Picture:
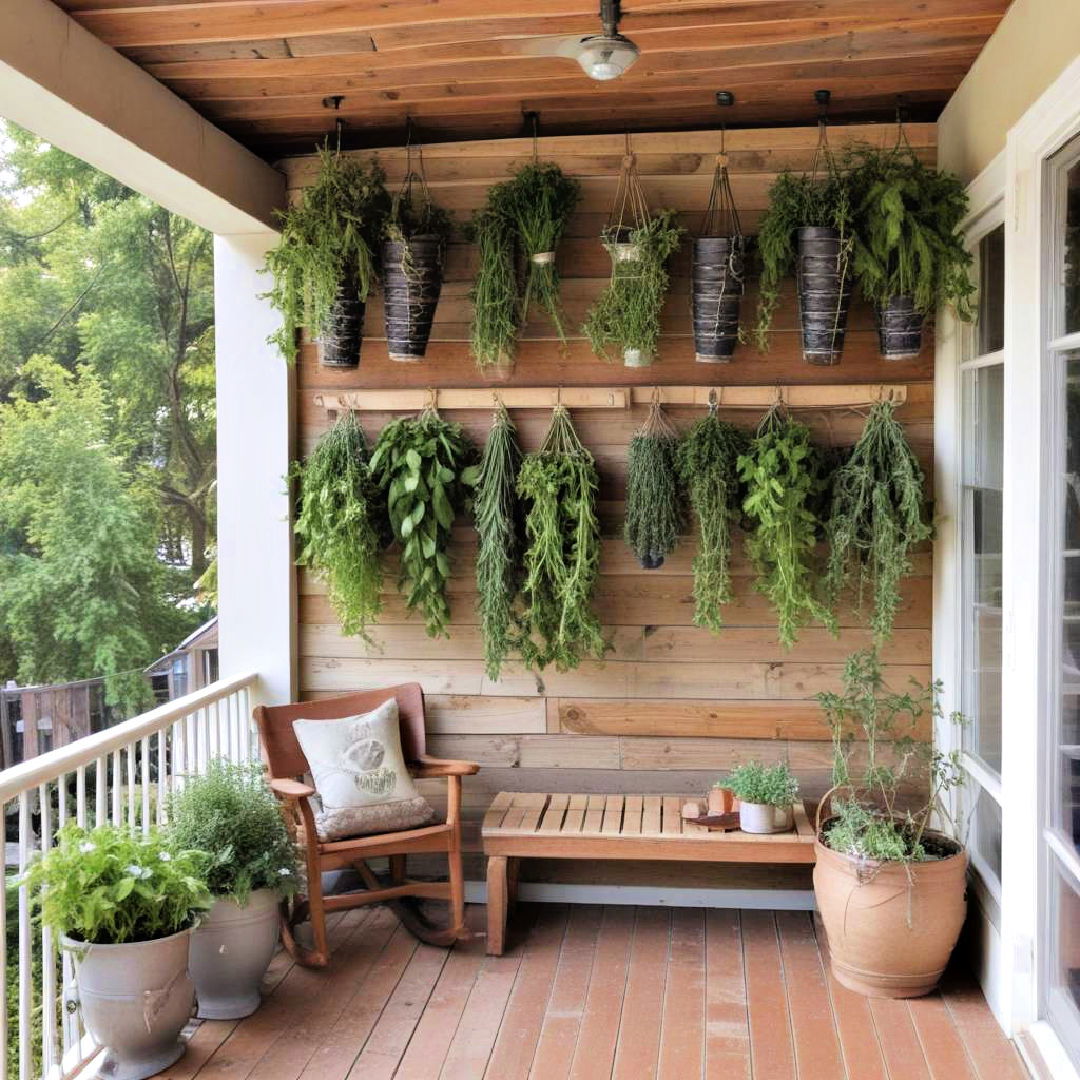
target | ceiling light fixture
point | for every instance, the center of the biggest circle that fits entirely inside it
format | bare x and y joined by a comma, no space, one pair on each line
606,56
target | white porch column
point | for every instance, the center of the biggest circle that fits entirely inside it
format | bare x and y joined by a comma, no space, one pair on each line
256,582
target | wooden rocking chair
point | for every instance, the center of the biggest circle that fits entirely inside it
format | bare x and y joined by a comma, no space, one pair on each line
289,769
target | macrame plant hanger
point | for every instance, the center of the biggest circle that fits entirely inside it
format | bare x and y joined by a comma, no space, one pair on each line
629,211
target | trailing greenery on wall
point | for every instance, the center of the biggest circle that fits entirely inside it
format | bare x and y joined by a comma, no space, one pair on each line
494,296
654,502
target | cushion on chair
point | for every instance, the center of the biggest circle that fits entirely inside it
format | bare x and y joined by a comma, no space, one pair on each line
359,775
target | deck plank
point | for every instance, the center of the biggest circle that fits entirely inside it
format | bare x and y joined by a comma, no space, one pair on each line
727,1023
638,1048
899,1043
682,1046
941,1043
993,1055
771,1051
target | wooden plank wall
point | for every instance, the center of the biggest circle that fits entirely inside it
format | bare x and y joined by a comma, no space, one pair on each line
674,706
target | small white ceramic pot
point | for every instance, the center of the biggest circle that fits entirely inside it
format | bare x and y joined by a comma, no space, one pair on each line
762,818
637,357
626,252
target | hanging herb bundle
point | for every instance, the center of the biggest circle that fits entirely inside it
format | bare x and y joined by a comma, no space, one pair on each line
497,527
782,475
876,517
338,521
654,505
708,464
424,465
562,557
496,310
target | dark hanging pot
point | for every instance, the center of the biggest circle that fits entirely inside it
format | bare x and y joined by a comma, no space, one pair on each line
823,280
412,281
342,331
717,288
900,328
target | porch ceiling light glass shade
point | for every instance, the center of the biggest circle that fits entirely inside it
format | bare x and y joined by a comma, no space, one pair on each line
606,56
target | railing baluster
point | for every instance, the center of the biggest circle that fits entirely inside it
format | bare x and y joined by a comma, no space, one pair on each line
131,782
144,753
26,966
49,1055
117,816
101,787
162,773
80,796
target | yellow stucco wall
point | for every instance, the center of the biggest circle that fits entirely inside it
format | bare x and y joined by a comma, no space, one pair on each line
1030,48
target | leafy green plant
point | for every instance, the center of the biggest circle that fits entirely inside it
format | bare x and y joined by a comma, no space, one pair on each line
412,215
340,524
231,814
494,295
626,315
708,464
562,557
876,517
425,467
496,510
654,503
114,885
328,240
782,475
763,785
907,242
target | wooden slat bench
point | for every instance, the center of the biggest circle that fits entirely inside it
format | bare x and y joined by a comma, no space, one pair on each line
521,824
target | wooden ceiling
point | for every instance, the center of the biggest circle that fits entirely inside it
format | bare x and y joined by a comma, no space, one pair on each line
460,69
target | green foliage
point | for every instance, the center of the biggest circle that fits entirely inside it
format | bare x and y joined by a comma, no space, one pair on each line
764,785
876,517
498,574
782,475
339,523
496,308
328,240
865,834
562,558
907,231
798,202
230,814
410,216
655,512
626,315
115,885
424,465
708,464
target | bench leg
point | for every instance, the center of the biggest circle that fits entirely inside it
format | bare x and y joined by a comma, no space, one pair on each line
512,865
496,904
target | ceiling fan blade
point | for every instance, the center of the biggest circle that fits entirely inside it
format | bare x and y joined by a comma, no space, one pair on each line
552,46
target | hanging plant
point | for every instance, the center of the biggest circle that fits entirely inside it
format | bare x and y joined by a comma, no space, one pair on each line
496,511
339,524
496,310
654,505
562,558
424,466
782,475
876,517
324,265
708,464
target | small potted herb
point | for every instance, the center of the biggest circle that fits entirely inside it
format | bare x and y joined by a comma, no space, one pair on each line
124,904
230,814
766,794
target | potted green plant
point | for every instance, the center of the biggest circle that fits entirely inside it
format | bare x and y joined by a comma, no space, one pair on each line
889,887
909,255
324,266
230,814
766,795
124,904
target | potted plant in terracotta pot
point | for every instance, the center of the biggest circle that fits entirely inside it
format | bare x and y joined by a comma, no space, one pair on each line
124,904
766,794
232,816
889,887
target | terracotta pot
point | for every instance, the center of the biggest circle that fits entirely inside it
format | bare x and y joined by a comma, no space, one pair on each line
891,926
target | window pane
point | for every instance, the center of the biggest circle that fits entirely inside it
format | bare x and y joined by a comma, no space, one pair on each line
985,831
992,291
1065,742
1071,269
1065,959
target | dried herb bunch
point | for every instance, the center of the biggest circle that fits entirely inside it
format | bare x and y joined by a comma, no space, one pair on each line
328,240
494,296
782,475
424,465
562,558
340,524
708,464
877,516
655,513
497,514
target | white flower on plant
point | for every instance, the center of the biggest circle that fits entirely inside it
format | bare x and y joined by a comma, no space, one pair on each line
165,856
139,872
284,871
87,847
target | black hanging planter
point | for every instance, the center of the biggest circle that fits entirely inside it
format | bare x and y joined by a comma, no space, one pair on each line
717,288
412,281
342,331
823,279
900,329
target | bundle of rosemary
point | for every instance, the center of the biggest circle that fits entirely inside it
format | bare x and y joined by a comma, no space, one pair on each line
497,525
496,310
876,517
562,557
338,523
654,504
782,473
708,464
424,465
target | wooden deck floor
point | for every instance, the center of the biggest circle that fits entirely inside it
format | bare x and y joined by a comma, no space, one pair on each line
589,992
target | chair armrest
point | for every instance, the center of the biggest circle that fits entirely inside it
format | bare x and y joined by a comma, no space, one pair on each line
426,766
291,789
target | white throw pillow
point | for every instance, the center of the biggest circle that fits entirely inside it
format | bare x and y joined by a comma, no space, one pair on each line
359,773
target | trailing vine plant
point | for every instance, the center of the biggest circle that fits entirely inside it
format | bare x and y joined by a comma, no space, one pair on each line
339,524
562,557
654,503
424,466
494,296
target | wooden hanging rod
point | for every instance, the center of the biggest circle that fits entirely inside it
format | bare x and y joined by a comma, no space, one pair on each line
596,397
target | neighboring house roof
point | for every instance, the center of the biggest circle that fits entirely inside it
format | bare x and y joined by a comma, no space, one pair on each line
204,637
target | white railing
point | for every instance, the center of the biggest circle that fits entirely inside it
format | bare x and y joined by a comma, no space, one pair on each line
122,775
